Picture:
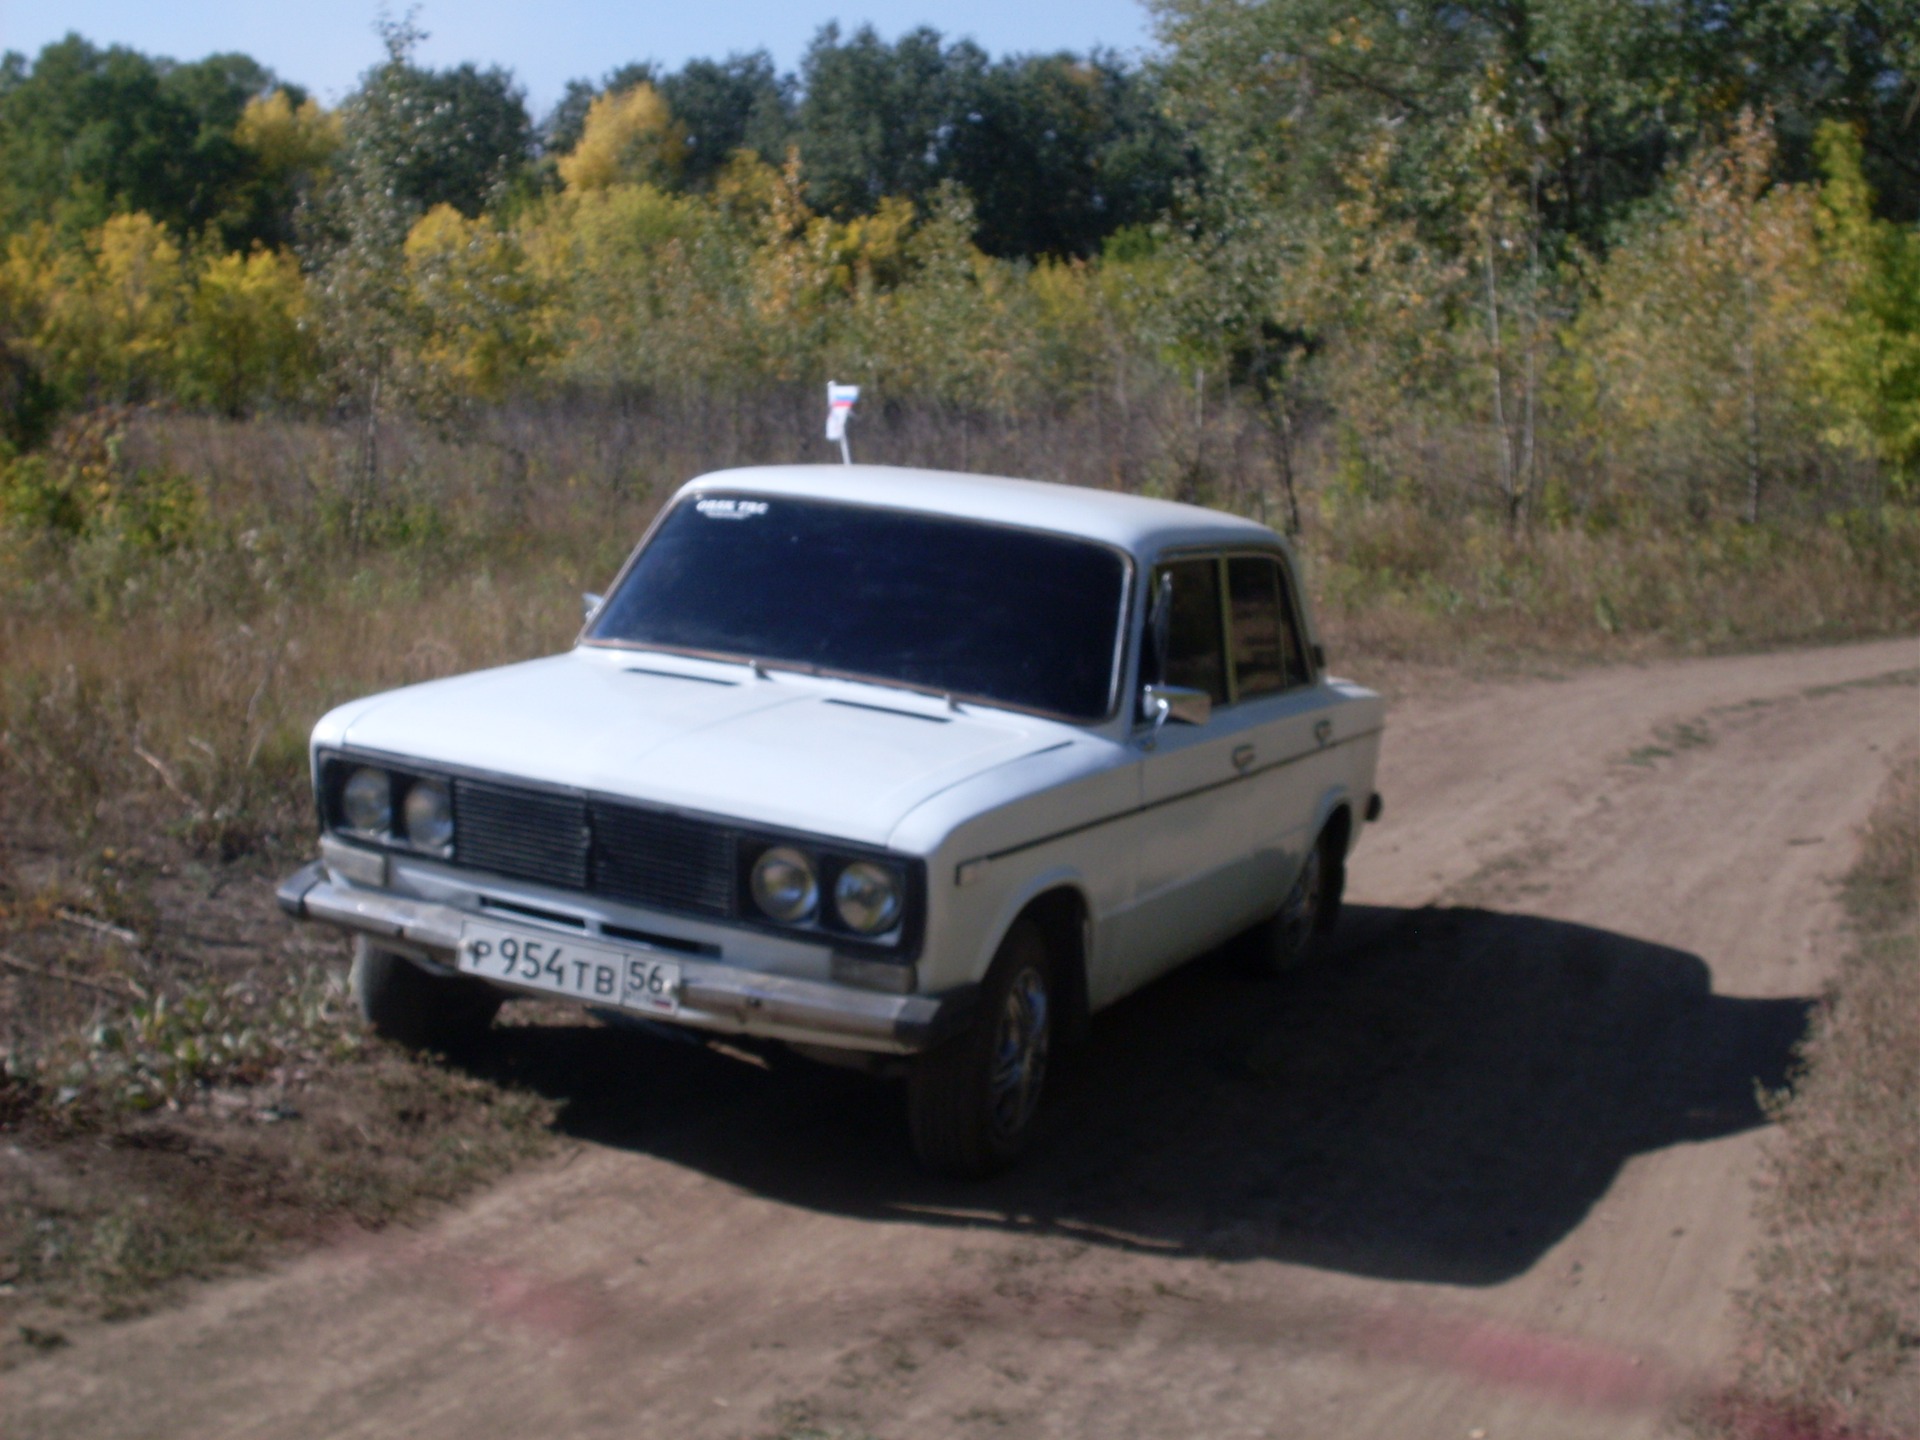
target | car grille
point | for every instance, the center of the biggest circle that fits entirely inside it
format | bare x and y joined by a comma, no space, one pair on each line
622,851
664,860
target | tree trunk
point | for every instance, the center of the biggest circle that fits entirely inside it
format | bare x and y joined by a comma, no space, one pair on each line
367,477
1503,442
1750,385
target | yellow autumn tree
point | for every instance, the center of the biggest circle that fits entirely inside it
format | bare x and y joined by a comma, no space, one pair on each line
1691,359
1867,353
478,303
244,341
100,320
619,302
288,139
630,138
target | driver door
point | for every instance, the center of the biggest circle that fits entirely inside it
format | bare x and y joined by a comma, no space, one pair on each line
1198,879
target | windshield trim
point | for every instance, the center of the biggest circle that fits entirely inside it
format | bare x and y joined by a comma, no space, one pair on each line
1122,622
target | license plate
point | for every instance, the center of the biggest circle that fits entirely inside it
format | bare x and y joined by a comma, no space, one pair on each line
561,965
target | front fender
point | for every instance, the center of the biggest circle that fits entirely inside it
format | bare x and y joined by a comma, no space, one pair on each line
1013,904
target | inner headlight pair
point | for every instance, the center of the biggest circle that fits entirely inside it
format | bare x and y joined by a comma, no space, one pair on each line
867,898
425,808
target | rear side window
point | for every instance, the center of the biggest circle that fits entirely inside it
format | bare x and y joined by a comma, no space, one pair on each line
1267,652
1196,650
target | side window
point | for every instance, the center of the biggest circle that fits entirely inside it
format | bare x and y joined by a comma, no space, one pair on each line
1267,651
1196,650
1293,646
1253,595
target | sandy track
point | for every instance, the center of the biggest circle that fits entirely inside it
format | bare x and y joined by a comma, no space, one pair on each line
1487,1170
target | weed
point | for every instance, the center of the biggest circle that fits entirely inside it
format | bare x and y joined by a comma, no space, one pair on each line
1834,1315
167,1046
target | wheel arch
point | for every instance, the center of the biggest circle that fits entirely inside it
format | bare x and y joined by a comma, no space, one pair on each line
1336,828
1056,901
1062,914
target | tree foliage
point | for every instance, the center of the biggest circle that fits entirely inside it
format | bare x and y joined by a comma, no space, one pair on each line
629,136
86,133
1564,261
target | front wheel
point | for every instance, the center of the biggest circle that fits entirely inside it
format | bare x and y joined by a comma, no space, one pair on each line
421,1011
971,1102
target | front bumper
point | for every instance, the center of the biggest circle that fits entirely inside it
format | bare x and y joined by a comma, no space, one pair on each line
712,996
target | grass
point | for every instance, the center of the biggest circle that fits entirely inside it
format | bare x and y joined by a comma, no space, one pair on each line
1833,1319
181,597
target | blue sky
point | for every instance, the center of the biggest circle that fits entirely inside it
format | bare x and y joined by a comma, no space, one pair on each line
325,45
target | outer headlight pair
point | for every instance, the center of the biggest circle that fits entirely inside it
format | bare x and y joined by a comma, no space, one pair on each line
425,808
868,898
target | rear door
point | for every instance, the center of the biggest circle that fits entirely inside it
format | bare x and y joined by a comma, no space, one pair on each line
1286,720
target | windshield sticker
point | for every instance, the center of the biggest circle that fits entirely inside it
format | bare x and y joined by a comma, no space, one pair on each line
716,508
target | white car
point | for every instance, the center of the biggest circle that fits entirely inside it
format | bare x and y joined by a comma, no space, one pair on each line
906,769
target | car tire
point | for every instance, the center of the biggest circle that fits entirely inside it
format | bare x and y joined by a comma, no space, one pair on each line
421,1011
1290,938
971,1101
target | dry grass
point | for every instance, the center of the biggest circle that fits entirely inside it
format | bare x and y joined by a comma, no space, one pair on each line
1833,1321
162,658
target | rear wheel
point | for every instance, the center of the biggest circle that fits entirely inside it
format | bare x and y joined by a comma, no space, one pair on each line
422,1011
971,1102
1290,938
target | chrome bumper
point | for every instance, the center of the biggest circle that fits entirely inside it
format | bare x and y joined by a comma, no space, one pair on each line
712,997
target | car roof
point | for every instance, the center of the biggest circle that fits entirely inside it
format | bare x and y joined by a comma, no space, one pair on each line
1132,522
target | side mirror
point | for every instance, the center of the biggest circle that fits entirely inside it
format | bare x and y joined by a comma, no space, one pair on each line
1176,702
1319,656
589,604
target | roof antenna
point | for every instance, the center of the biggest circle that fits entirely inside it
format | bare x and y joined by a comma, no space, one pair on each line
840,400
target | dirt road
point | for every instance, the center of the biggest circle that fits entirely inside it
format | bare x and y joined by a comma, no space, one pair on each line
1486,1171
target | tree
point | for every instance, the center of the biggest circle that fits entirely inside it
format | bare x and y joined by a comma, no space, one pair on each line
1868,355
292,142
881,120
1059,152
86,133
1691,357
740,103
629,138
243,342
396,148
456,137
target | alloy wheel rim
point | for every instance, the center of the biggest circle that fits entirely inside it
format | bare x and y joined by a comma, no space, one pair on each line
1020,1043
1302,906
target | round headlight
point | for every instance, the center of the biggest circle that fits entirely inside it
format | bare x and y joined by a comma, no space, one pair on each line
784,885
429,812
366,801
867,897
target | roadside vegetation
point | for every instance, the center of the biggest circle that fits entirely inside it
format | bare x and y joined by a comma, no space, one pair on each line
298,403
1833,1319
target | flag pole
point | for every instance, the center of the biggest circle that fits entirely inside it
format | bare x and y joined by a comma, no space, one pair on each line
840,402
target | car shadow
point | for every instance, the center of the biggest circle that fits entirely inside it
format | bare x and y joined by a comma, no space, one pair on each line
1442,1098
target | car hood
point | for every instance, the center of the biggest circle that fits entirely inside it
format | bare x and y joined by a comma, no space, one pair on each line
787,751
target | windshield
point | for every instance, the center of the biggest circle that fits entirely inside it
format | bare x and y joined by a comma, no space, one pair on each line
1011,616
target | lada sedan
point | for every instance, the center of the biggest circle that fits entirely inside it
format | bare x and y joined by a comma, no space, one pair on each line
902,768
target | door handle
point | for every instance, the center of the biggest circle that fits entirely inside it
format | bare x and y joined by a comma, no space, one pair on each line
1242,756
1323,731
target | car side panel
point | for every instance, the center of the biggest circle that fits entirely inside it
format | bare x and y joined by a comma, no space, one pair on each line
1203,840
998,839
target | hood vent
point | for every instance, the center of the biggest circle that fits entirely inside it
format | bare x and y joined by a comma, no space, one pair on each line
677,675
889,710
